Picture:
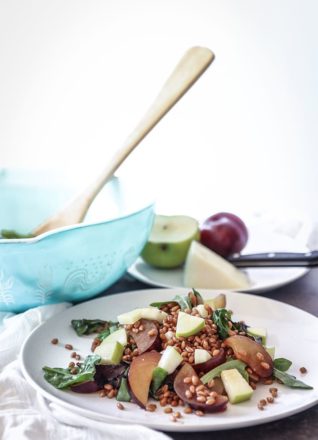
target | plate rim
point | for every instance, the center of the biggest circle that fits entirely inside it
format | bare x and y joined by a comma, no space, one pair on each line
153,425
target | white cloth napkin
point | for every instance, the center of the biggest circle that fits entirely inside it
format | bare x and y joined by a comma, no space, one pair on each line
25,414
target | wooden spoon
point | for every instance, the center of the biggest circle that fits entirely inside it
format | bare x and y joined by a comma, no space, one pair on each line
190,67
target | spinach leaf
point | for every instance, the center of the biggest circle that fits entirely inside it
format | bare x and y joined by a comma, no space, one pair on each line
221,318
234,363
62,377
111,329
9,233
282,364
290,381
89,326
182,301
123,394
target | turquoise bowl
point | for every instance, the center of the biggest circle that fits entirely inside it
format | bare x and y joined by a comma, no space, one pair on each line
74,263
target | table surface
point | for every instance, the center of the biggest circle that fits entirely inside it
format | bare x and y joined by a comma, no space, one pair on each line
302,293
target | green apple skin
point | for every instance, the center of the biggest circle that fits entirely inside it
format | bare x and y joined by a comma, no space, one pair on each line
167,255
188,325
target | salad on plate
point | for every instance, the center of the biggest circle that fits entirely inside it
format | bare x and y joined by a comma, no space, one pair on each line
186,355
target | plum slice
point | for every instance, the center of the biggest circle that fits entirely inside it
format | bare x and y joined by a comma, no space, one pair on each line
181,389
140,376
144,340
252,353
86,387
211,363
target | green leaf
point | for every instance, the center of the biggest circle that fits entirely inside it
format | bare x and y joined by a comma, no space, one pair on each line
8,233
182,301
89,326
111,329
221,318
229,365
62,378
282,364
123,394
290,381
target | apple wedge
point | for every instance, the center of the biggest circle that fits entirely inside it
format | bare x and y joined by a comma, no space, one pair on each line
140,376
206,269
170,240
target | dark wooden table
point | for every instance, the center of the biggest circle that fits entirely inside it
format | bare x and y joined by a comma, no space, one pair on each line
302,293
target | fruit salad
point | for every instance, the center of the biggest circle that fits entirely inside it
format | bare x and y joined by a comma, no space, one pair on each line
187,352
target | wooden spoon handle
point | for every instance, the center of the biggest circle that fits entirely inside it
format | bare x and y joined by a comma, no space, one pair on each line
189,69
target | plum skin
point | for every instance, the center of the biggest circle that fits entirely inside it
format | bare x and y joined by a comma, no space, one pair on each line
224,233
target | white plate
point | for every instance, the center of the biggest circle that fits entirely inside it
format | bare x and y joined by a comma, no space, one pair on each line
293,332
262,279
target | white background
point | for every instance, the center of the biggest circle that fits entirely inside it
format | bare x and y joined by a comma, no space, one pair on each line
77,75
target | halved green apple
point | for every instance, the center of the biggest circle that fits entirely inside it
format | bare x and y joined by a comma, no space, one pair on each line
170,240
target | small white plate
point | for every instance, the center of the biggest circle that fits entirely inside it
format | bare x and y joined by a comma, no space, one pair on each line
293,332
261,279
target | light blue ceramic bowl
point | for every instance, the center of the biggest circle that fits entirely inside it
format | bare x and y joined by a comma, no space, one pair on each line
72,263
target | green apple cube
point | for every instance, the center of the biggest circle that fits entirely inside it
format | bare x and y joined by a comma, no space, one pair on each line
153,314
206,269
119,335
258,333
202,311
170,359
169,240
236,387
129,317
201,355
188,325
111,352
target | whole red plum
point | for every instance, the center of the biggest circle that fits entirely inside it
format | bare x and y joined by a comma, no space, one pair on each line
224,233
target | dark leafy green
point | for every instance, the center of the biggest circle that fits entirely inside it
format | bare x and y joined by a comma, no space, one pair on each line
123,394
89,326
113,326
290,381
9,233
183,302
222,319
282,364
229,365
62,378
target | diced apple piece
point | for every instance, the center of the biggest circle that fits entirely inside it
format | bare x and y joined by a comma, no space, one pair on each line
252,353
236,387
211,363
111,352
201,355
188,325
140,376
257,332
129,317
206,269
202,311
181,387
148,339
153,313
170,359
119,335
